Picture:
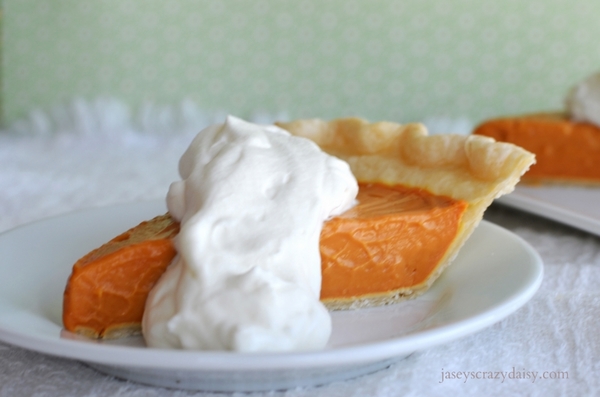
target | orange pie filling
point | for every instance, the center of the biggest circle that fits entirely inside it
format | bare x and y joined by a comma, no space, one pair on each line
394,238
108,287
565,150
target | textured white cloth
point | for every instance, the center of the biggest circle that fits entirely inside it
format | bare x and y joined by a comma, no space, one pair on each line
558,330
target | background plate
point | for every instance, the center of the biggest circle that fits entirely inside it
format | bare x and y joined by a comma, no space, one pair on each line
495,273
575,206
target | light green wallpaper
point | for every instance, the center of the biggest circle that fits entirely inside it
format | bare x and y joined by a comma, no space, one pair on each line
380,59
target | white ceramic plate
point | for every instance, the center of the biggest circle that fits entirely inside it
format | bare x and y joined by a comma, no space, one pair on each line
575,206
495,274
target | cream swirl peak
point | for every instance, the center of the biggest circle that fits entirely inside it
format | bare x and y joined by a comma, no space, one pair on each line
583,100
247,277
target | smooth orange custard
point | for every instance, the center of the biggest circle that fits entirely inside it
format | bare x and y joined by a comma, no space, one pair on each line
394,238
108,287
565,150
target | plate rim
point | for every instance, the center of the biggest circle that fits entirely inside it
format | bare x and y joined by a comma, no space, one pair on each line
164,359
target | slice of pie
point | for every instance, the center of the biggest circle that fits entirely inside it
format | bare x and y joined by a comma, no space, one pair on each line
566,151
420,197
470,169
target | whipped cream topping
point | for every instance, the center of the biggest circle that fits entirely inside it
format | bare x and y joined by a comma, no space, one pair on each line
583,100
247,277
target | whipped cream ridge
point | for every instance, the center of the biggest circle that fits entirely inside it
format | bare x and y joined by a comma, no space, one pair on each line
583,100
247,276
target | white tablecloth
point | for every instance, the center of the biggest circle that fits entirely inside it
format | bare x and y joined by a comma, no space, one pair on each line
557,331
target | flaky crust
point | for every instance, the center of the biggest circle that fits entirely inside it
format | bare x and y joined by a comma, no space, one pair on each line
472,168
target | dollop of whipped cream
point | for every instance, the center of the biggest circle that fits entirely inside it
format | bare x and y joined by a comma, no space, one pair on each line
583,100
247,276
